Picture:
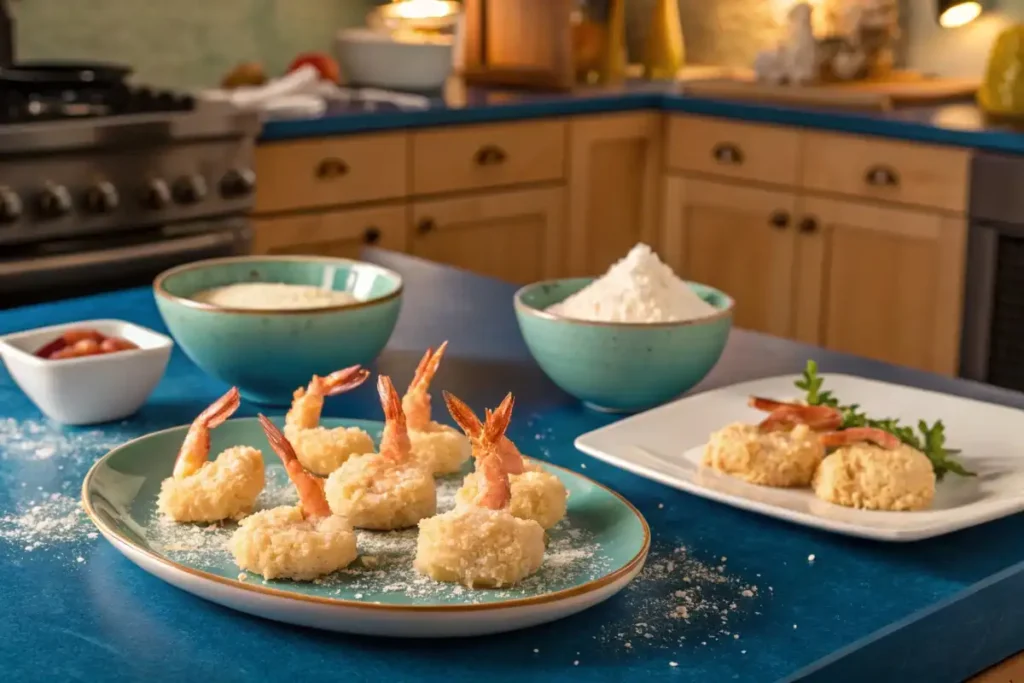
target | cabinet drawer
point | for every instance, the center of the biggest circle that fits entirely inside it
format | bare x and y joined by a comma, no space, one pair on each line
472,157
333,233
330,172
888,170
734,150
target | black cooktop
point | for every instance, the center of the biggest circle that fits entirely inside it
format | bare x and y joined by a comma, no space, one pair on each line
54,91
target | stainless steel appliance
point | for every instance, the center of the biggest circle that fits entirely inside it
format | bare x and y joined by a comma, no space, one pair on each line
103,184
993,331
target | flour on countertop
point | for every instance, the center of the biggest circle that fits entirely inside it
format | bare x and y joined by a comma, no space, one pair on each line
677,596
49,520
637,289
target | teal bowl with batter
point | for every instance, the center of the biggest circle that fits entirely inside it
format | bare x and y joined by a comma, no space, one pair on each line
268,353
621,367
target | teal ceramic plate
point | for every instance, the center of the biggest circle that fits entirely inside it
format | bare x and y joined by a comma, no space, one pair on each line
592,554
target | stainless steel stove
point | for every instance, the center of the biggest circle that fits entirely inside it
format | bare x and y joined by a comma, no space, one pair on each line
105,184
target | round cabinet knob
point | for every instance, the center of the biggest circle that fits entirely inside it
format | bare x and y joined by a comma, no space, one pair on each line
779,219
371,235
54,201
809,225
426,225
237,183
190,189
100,198
157,194
10,205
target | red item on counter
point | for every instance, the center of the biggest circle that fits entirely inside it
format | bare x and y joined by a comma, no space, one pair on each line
323,63
77,343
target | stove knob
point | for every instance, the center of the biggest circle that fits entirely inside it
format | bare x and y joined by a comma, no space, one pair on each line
237,183
189,189
100,198
54,201
10,205
157,194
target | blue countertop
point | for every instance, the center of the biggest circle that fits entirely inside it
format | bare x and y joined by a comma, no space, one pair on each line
959,123
75,609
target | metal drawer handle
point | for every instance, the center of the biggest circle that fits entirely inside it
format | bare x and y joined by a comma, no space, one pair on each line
331,167
882,176
426,225
490,155
780,220
371,235
809,225
727,153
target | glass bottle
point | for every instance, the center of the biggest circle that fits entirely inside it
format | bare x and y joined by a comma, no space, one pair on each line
598,40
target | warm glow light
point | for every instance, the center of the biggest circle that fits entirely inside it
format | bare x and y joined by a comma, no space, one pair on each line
420,9
961,14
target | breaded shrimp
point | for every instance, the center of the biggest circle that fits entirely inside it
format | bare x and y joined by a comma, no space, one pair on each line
323,450
299,542
200,490
440,448
389,489
535,494
481,543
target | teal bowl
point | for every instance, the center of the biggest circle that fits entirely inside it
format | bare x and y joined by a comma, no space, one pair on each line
267,354
621,367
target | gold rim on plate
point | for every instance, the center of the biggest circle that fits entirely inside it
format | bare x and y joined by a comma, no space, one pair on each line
115,537
158,285
517,300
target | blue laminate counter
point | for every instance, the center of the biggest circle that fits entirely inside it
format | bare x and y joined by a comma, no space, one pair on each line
936,611
960,123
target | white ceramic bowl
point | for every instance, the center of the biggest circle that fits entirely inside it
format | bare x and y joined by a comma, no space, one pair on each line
372,59
91,389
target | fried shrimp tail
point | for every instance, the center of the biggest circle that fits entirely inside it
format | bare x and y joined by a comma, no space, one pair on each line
848,437
310,488
195,449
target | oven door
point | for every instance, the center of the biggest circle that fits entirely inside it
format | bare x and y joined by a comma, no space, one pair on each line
100,267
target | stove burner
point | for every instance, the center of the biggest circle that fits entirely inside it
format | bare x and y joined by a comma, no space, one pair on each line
42,104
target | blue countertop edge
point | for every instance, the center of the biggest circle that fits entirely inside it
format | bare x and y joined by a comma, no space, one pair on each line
958,124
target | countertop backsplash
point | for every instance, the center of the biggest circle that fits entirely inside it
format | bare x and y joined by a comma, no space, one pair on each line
181,43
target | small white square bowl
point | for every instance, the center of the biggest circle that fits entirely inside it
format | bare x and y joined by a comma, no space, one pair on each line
91,389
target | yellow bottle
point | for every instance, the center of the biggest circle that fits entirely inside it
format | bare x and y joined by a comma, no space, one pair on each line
615,45
1002,92
665,52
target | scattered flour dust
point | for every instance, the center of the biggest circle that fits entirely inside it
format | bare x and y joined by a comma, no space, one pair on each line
676,597
52,519
637,289
385,558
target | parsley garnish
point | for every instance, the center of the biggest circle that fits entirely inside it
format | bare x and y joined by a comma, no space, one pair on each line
929,439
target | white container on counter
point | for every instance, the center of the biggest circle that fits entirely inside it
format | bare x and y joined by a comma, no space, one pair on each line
90,389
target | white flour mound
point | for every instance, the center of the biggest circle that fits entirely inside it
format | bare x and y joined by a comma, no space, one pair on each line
637,289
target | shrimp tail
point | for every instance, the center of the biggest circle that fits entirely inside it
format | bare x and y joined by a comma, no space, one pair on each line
345,380
463,416
220,410
195,449
427,368
389,400
787,416
848,437
498,421
310,488
767,405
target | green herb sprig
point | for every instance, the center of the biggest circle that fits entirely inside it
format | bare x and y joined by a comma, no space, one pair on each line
929,439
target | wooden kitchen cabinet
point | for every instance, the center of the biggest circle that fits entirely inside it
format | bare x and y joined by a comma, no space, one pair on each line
515,235
738,239
614,179
881,282
333,233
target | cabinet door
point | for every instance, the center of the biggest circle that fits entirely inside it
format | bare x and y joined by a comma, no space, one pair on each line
738,239
333,233
614,170
883,283
515,236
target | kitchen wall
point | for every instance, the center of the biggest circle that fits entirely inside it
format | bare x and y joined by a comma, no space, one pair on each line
180,42
731,32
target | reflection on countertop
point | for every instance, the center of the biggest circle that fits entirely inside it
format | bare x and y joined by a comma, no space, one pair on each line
957,123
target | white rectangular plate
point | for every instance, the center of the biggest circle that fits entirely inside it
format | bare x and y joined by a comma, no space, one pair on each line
666,444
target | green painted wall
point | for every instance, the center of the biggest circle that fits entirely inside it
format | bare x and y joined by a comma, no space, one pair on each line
181,42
